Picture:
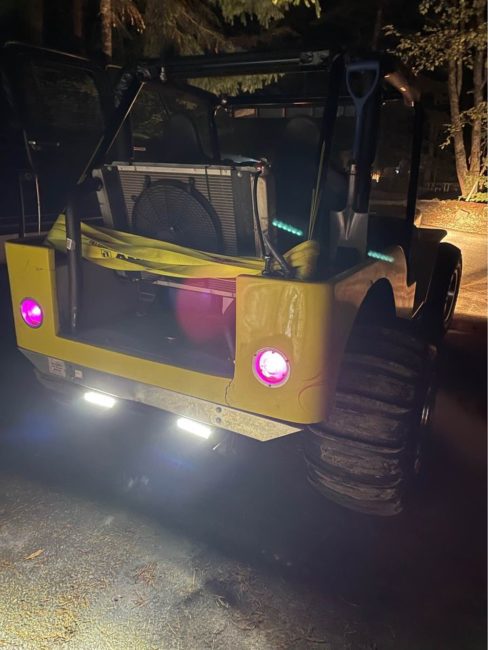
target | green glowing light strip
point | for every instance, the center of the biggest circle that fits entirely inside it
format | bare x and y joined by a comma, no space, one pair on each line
287,228
381,256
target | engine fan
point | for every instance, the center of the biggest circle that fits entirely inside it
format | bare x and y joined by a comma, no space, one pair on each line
171,211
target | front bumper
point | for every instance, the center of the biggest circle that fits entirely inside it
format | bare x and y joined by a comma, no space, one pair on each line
55,371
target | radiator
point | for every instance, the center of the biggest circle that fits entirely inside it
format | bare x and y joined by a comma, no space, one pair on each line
228,188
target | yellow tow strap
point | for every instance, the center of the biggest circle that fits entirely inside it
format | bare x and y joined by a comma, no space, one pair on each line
123,251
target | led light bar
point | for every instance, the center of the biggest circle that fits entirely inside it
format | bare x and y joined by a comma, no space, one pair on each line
99,399
381,256
281,225
192,426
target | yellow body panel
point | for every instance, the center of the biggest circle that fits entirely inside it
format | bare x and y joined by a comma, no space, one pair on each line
293,317
32,274
309,322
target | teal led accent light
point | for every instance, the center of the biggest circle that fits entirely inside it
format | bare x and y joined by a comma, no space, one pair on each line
381,256
287,228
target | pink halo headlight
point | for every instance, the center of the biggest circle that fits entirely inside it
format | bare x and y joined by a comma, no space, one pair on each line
31,312
271,367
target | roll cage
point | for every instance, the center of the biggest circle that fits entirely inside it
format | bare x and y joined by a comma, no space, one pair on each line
365,81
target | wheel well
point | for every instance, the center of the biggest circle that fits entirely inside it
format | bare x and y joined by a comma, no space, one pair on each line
378,306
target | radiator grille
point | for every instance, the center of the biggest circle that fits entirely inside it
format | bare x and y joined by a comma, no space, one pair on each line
216,187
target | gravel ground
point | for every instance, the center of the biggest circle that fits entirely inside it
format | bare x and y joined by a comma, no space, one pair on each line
463,216
117,533
472,302
110,579
96,554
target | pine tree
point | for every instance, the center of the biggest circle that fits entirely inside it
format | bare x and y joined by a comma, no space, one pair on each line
453,39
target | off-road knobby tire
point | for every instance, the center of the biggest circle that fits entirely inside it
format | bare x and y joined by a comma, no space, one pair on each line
367,453
444,289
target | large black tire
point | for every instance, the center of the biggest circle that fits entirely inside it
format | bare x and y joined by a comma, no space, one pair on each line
367,453
438,312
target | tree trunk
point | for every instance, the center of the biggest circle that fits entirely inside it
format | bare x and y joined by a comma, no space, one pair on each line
154,17
78,32
106,20
34,13
459,148
475,158
378,24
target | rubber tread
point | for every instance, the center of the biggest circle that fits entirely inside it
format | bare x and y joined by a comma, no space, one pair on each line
368,420
361,498
373,382
358,460
361,457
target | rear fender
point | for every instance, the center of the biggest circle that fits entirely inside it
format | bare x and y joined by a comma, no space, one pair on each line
373,292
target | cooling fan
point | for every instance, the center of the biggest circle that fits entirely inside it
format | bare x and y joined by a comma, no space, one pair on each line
172,211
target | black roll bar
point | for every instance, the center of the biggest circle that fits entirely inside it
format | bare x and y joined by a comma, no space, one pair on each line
241,63
126,92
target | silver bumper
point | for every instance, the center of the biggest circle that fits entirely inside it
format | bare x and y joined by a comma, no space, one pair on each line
215,415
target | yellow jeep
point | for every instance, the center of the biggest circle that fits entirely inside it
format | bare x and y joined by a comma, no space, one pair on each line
257,267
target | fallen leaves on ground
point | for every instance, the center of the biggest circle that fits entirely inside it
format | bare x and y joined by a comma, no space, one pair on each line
33,556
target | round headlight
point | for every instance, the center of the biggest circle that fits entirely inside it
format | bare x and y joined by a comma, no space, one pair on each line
271,367
31,312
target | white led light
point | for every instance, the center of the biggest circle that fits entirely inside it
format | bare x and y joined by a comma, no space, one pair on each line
100,399
192,426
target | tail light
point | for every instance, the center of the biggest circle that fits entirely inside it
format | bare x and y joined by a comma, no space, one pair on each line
31,312
271,367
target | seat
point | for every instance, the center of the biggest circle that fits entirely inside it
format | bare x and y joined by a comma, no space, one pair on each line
181,143
295,168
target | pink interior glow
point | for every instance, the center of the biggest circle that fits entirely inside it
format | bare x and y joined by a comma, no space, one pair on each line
31,312
271,367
